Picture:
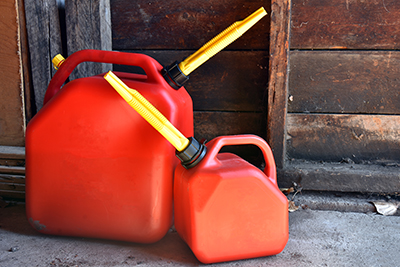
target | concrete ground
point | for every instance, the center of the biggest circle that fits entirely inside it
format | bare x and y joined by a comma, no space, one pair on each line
317,238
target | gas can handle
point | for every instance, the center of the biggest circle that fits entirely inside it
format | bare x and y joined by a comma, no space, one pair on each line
215,145
150,66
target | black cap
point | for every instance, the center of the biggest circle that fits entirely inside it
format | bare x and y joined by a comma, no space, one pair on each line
174,76
192,154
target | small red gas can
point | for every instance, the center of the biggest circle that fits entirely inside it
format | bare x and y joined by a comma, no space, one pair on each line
227,209
90,173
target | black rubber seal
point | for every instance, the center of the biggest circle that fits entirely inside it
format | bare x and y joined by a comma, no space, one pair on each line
192,154
174,76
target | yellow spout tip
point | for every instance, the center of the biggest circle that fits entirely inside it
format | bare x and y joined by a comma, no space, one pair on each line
221,41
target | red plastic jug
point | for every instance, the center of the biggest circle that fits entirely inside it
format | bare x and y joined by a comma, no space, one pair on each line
227,209
90,173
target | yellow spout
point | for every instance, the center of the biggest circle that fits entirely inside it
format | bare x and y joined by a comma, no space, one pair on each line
148,112
221,41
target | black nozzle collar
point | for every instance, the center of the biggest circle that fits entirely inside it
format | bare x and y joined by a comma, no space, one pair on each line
174,76
192,154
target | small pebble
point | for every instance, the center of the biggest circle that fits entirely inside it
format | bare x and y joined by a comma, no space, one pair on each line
13,249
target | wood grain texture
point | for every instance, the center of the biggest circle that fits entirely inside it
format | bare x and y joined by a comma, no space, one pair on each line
278,78
330,24
12,113
29,99
209,125
88,27
12,172
184,24
12,186
358,138
230,81
345,82
44,35
341,177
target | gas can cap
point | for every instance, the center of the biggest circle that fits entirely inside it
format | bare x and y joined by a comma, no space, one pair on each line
192,154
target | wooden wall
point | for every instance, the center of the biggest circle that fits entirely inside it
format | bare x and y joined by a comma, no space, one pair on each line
15,96
342,96
329,107
229,90
12,111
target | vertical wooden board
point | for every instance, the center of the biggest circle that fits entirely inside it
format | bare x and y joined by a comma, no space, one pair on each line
88,27
348,24
30,106
278,78
344,82
358,138
44,43
184,24
12,118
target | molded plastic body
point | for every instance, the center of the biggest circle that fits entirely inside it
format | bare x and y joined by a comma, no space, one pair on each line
227,209
94,166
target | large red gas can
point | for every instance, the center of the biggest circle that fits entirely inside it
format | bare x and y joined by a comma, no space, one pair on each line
227,209
89,172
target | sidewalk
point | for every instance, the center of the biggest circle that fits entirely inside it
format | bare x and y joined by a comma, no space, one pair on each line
317,238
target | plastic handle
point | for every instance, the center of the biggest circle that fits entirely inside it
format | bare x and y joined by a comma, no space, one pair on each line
151,67
215,145
148,112
220,41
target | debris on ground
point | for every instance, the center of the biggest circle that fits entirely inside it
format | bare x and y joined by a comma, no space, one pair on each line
386,208
295,189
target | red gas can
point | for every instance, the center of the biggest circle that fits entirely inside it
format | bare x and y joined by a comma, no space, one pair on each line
227,209
90,173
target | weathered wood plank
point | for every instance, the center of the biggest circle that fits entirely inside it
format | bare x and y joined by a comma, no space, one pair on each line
88,27
341,177
278,78
11,156
12,170
44,43
12,114
231,81
12,195
209,125
12,186
344,82
358,138
324,24
212,124
183,24
12,152
29,100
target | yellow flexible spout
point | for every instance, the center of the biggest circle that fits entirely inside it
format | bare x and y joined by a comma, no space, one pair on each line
148,112
221,41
